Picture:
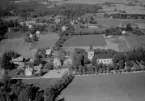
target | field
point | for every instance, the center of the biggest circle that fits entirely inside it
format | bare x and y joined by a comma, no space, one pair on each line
127,87
42,83
116,22
19,45
92,1
135,40
85,41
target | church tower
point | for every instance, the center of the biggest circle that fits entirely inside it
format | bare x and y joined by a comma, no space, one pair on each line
91,52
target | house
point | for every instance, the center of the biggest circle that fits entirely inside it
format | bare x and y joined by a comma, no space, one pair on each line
48,51
56,62
68,61
28,71
104,59
28,23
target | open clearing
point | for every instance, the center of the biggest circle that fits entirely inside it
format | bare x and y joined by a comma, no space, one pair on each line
127,87
85,41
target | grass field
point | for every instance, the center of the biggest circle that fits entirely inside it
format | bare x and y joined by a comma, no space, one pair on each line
135,40
42,83
85,40
127,87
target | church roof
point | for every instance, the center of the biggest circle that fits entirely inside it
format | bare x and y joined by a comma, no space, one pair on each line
103,56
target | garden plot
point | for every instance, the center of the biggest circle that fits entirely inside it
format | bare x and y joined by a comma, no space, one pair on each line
84,41
13,35
126,87
135,40
117,43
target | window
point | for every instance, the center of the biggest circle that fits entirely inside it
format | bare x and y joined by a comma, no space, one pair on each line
104,60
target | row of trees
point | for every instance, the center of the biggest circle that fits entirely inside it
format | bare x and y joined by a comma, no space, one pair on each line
16,90
125,16
3,29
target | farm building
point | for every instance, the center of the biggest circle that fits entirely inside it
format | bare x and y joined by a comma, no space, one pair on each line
104,59
84,42
28,23
124,24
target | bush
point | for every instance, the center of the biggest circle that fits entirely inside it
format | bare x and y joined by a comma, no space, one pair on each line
48,66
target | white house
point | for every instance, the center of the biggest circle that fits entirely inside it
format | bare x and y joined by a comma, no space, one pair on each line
48,51
56,62
28,71
104,59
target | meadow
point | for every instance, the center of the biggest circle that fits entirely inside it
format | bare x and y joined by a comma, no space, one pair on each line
17,43
85,41
126,87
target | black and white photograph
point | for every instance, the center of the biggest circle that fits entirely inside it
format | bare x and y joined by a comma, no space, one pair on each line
72,50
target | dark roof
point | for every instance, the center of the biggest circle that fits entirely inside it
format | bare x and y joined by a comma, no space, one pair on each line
103,56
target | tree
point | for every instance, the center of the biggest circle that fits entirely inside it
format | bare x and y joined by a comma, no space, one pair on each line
6,58
3,29
26,94
39,96
118,56
48,66
115,66
128,27
121,64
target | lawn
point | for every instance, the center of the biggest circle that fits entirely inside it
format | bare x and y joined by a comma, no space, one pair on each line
85,40
12,35
127,87
46,40
135,40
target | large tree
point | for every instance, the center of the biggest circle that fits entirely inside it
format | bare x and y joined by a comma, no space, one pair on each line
3,29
